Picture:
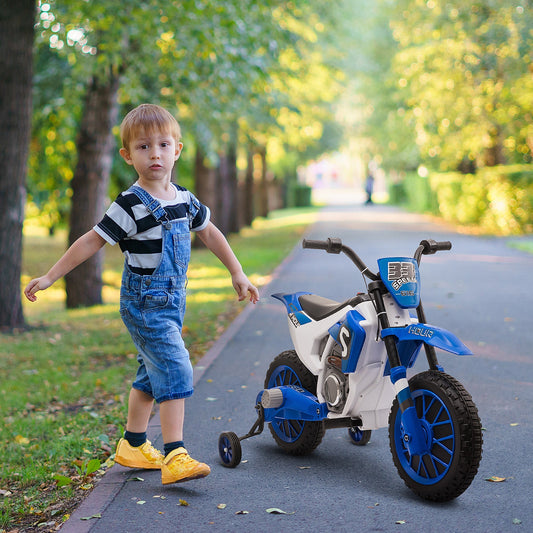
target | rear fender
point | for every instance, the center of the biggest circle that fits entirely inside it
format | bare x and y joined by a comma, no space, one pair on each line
294,309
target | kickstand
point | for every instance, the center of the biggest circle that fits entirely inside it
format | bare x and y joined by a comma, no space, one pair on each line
259,424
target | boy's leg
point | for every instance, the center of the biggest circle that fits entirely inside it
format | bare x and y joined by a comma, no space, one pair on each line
139,411
178,465
135,451
172,414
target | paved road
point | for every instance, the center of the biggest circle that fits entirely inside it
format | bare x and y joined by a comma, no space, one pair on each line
480,291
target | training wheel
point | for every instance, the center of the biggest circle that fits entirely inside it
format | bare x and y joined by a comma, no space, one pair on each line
358,436
229,449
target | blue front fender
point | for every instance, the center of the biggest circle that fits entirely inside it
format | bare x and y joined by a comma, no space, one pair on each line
432,335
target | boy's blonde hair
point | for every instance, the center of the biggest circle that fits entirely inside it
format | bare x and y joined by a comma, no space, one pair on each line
148,118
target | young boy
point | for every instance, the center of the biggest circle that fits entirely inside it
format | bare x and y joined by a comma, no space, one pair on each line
152,221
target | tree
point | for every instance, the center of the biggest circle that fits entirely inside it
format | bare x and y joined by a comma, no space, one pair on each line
16,67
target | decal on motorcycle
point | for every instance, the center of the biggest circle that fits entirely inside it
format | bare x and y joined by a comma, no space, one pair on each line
400,273
420,331
298,319
344,340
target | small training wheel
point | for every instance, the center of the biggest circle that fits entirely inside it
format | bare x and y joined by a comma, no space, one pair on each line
229,449
358,436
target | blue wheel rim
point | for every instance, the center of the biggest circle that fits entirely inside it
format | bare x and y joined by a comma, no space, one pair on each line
437,424
356,434
286,430
225,450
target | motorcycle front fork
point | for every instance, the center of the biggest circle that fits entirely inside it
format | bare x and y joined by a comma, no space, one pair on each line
414,435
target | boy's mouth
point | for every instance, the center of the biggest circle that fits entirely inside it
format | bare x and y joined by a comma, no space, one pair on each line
155,166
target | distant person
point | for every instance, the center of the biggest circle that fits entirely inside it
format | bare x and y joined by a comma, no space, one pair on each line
152,221
369,188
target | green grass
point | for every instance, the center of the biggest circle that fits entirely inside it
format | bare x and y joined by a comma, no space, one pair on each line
526,245
65,379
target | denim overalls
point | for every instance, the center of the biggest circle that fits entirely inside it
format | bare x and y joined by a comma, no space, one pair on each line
152,308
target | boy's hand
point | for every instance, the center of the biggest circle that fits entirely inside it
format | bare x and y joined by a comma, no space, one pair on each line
37,284
242,287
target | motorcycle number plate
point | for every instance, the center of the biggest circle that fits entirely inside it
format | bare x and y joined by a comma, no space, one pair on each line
402,279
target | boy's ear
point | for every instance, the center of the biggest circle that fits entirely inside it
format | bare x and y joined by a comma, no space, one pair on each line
126,156
179,147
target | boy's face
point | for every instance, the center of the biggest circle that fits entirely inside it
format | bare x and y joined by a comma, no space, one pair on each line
153,155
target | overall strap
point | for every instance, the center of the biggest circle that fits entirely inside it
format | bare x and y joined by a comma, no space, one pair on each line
152,205
194,207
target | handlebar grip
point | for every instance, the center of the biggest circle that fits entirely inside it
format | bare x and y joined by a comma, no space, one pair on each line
332,245
432,247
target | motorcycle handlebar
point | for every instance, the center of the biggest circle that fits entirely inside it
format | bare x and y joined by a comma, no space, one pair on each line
332,245
431,246
335,246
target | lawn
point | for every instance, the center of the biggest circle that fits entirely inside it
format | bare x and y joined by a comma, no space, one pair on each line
65,379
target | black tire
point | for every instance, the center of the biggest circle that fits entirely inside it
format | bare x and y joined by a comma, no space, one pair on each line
296,437
229,449
453,431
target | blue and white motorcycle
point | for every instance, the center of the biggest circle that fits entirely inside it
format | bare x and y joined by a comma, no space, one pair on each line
348,368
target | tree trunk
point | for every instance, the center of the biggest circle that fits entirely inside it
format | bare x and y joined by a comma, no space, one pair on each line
263,187
494,154
205,187
248,206
90,183
16,67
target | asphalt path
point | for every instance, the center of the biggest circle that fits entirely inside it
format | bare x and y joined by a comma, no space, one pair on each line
480,291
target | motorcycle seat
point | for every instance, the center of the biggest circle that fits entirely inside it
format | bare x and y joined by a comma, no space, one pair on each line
318,307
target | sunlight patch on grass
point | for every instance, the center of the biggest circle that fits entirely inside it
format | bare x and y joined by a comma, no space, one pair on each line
207,297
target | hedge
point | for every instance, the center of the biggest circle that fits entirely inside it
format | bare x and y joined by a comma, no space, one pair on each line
495,200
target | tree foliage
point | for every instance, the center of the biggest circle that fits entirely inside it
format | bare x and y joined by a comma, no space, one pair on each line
456,76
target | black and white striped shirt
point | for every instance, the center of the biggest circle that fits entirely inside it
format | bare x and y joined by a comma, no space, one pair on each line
128,222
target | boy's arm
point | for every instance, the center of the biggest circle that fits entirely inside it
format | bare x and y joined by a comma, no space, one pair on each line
213,238
86,246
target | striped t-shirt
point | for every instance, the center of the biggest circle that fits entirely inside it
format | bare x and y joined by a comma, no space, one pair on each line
128,222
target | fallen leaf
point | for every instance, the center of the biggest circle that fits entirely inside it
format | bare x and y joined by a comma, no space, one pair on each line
19,439
141,502
495,479
514,424
184,503
209,381
275,510
304,467
135,479
517,521
221,506
242,512
209,399
90,517
400,522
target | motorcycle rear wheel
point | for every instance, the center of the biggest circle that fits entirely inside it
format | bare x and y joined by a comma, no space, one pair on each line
452,428
296,437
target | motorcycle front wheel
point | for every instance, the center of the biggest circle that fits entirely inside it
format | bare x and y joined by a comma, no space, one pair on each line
452,429
296,437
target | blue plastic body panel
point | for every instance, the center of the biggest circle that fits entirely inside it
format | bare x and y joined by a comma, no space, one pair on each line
294,309
428,334
298,404
402,279
351,336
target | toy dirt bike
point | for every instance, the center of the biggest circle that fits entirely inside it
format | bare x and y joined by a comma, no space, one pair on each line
350,365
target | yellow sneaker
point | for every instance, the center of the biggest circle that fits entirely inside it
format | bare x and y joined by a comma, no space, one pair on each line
179,466
145,456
